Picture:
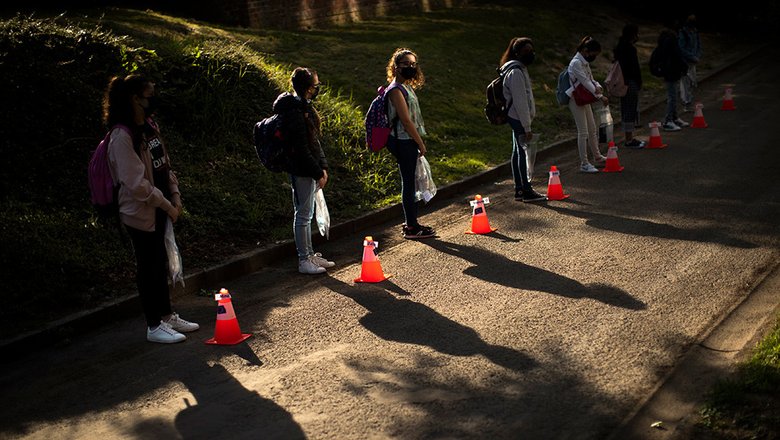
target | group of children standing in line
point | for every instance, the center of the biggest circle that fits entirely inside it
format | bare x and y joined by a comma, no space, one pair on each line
148,189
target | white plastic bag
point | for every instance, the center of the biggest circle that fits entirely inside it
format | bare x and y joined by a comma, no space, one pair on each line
530,155
606,124
424,188
322,214
174,257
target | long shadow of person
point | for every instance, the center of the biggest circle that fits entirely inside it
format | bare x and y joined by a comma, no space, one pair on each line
495,268
644,228
407,321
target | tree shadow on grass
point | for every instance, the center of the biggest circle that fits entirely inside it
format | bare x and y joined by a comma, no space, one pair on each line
498,269
410,322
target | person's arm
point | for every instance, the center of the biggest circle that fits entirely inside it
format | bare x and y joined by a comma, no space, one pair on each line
517,87
579,75
399,104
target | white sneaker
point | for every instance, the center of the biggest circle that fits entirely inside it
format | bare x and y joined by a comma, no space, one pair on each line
681,123
588,168
671,126
308,266
164,334
181,325
320,261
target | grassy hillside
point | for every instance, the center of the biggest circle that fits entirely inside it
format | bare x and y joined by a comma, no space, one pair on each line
215,82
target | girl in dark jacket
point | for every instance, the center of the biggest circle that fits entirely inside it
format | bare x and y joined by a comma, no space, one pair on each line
300,126
668,56
625,54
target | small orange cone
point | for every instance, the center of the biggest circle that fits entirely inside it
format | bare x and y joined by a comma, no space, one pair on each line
655,136
728,101
698,117
479,220
226,332
613,163
554,187
371,270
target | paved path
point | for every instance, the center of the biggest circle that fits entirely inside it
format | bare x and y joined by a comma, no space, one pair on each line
556,326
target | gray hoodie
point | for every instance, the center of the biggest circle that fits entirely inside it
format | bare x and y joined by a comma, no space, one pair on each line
517,90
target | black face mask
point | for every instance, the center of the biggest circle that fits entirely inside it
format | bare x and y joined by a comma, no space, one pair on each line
527,59
153,104
590,58
409,72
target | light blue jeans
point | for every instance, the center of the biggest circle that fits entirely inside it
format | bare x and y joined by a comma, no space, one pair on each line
303,189
518,158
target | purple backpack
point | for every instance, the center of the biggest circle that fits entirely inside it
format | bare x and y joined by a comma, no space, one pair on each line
102,189
377,122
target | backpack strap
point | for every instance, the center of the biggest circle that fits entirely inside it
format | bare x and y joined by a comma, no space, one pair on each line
503,77
395,85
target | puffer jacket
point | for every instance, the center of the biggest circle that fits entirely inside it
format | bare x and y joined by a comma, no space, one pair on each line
308,158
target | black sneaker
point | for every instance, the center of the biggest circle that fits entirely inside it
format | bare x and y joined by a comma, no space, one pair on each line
533,196
417,232
519,196
634,143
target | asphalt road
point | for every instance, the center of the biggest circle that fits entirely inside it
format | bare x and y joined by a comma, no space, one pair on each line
556,326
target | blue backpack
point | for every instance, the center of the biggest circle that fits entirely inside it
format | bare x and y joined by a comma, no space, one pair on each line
377,122
270,145
563,85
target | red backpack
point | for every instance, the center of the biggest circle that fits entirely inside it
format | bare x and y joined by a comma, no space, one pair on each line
103,191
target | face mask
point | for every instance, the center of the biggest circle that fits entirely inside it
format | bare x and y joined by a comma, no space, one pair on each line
152,104
315,94
590,58
409,72
528,59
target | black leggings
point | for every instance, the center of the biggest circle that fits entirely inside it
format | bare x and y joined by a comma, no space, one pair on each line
406,153
152,272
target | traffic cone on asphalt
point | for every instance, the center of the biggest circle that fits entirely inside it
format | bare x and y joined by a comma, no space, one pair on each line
226,332
554,187
613,163
371,269
728,101
698,117
655,136
479,220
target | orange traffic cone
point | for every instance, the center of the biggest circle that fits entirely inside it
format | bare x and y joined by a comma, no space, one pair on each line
655,136
226,331
728,101
371,270
479,220
698,117
613,163
554,187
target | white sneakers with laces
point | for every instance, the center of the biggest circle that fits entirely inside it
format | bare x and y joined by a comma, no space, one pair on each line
164,334
308,266
319,260
588,168
181,325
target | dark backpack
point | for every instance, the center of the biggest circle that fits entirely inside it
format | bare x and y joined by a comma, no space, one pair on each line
104,192
563,85
377,122
657,63
270,146
497,108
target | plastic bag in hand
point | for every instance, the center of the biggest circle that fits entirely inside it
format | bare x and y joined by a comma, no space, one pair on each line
322,214
530,155
424,188
174,257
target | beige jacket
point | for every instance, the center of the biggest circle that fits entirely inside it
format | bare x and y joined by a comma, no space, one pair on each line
138,197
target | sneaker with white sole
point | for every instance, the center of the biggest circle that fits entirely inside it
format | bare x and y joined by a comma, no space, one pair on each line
533,196
164,334
588,168
308,266
181,325
320,261
680,123
671,126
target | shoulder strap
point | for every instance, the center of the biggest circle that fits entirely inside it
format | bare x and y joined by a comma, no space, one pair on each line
395,85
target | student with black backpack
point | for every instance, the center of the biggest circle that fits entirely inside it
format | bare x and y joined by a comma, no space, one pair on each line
626,54
148,197
308,168
667,62
405,142
519,95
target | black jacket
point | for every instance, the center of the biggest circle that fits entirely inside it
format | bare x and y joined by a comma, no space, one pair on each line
307,159
625,54
670,58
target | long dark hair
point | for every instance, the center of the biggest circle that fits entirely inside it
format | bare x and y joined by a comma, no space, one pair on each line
512,51
630,31
302,78
118,99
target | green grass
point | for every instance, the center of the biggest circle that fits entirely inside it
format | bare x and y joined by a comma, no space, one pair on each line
747,405
215,82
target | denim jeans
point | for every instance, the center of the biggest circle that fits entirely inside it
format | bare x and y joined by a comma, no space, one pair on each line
303,189
671,100
406,153
519,165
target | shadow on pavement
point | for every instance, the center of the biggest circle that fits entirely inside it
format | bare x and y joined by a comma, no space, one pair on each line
646,228
410,322
496,268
